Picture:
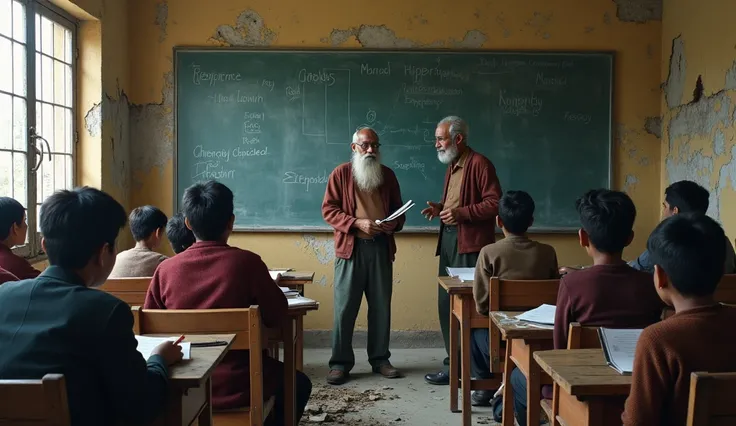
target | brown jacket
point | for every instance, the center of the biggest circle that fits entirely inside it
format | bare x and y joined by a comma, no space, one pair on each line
513,258
479,195
338,207
136,262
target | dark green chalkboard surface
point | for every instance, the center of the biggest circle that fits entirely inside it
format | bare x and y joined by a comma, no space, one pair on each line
272,125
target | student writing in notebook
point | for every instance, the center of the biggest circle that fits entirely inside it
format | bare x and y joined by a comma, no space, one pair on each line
13,230
610,293
515,257
57,323
687,252
147,225
180,237
213,275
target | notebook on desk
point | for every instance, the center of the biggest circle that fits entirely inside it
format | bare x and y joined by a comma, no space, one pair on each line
147,344
619,346
463,274
544,314
301,301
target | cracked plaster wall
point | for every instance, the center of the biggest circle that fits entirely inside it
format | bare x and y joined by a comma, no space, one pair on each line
622,26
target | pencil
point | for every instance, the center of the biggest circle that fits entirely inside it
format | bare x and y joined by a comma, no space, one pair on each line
179,340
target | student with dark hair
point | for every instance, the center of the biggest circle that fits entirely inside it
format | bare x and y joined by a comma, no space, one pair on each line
608,294
180,237
56,323
687,252
685,197
147,224
13,230
515,257
6,276
213,275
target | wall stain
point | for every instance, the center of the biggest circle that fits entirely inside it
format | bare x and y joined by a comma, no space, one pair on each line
539,22
674,87
731,78
631,181
116,113
93,120
380,36
322,281
653,126
639,11
323,248
162,18
249,30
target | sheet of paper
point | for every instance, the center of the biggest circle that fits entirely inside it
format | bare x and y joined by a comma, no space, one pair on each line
463,274
275,275
147,344
300,301
619,345
403,209
544,314
288,292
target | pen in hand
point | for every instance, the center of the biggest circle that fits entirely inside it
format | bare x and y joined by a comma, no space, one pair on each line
179,339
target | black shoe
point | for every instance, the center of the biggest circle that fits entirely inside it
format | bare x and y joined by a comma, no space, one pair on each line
481,398
441,378
446,361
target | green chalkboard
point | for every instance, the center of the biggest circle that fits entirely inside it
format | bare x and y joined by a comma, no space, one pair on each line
273,124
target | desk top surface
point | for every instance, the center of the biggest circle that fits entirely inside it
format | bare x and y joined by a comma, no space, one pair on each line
195,371
297,276
513,328
583,372
454,286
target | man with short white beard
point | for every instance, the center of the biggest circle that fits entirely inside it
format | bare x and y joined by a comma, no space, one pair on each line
358,194
467,213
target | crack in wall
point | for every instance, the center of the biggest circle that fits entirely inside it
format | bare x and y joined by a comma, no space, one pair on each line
674,87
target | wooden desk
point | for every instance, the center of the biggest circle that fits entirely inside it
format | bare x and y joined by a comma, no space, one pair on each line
463,318
591,393
296,280
523,339
190,384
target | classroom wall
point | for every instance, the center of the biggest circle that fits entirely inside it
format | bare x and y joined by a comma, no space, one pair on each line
631,30
699,41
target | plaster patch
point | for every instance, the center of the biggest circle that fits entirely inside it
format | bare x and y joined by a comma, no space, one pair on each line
540,21
380,36
731,77
700,118
623,134
726,176
162,18
719,143
116,117
639,11
632,153
249,30
675,85
631,180
322,281
323,248
697,168
644,161
653,126
93,120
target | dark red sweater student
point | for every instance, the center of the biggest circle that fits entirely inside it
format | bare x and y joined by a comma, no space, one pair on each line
13,230
210,274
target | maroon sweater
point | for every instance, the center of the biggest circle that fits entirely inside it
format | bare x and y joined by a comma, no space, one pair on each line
616,296
479,195
6,276
16,265
211,275
338,207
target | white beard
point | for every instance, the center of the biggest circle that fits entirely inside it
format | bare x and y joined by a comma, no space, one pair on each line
447,156
367,171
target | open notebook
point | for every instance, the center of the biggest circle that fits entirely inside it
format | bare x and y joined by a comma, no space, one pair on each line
463,274
147,344
301,301
619,346
544,314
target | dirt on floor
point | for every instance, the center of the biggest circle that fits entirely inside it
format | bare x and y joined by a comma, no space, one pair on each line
333,405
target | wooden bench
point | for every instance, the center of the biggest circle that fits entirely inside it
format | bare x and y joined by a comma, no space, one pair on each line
711,399
34,402
244,323
130,290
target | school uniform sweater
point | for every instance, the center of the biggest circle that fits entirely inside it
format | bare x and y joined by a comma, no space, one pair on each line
16,265
136,262
700,339
6,276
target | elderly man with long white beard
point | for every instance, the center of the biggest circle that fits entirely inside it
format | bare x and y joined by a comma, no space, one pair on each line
358,194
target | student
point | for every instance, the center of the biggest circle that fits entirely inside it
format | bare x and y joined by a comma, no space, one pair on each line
688,256
213,275
13,230
147,224
516,257
56,323
180,237
6,276
610,293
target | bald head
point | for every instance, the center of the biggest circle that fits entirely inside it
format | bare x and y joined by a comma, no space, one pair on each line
365,134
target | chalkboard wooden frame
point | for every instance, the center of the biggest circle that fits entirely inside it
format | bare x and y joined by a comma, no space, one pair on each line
433,229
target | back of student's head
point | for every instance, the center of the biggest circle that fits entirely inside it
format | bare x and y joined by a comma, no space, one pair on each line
516,210
77,223
687,196
608,218
180,237
146,220
208,207
690,249
11,213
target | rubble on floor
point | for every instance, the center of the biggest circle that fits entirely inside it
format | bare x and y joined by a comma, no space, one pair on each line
331,405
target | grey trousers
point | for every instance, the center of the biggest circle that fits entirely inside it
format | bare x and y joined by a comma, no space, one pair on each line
369,271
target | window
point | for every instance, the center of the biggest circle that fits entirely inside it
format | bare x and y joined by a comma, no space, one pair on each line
37,129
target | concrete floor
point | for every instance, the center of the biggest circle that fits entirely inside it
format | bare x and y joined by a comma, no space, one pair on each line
369,399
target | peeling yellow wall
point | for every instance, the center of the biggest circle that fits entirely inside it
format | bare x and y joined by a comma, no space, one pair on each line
699,39
156,26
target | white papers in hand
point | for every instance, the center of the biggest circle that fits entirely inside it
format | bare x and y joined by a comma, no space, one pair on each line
463,274
544,314
403,209
147,344
619,347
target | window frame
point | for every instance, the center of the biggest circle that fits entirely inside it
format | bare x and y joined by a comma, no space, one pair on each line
32,249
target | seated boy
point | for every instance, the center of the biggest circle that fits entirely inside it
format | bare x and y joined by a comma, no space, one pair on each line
57,323
213,275
516,257
685,197
13,229
147,225
610,293
180,237
6,276
687,251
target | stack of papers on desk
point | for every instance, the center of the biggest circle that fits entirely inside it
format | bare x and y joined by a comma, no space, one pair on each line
289,292
619,347
544,314
463,274
301,301
146,345
276,275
